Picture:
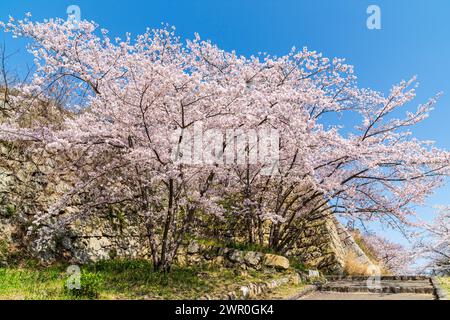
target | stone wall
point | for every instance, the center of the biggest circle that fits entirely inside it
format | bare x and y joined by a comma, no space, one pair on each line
324,244
100,238
6,241
349,244
197,253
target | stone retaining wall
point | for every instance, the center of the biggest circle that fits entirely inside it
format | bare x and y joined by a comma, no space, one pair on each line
196,253
100,238
324,244
349,244
6,241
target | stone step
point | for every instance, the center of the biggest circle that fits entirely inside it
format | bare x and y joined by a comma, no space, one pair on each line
422,285
386,278
382,289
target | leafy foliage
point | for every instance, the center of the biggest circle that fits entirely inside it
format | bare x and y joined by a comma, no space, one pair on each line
89,286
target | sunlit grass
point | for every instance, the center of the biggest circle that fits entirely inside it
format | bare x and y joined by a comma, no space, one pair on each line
125,280
32,283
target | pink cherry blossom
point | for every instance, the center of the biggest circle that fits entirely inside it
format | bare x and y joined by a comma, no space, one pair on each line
131,96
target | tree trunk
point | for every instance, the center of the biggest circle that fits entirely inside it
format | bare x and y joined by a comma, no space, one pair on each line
163,263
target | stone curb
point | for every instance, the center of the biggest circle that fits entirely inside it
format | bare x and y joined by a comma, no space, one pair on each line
307,290
439,293
251,290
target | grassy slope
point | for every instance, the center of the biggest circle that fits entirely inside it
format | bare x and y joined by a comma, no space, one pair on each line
125,280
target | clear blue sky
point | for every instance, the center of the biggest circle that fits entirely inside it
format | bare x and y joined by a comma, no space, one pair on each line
414,40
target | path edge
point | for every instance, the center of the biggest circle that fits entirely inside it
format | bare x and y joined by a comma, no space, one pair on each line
305,291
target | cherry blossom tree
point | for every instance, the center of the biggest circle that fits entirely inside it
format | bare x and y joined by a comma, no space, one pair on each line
391,256
433,243
132,95
374,173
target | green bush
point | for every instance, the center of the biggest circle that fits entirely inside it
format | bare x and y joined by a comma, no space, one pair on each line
7,211
298,265
90,284
249,247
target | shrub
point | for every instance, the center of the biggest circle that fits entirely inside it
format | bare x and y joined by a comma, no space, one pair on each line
90,284
298,265
249,247
10,211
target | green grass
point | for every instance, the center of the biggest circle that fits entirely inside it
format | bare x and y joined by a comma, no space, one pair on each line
32,283
123,280
250,247
445,284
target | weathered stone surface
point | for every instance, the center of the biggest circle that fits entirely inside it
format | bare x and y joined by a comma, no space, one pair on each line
101,238
324,244
241,261
218,260
253,258
350,245
295,279
275,261
6,242
236,256
181,260
195,258
193,247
